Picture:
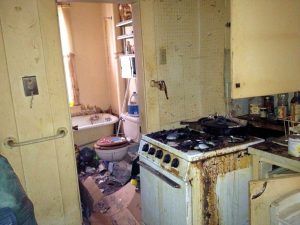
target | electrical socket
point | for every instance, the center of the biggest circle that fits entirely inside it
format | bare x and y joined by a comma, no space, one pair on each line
30,85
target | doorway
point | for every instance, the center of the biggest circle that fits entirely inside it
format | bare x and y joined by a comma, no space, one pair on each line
95,45
98,45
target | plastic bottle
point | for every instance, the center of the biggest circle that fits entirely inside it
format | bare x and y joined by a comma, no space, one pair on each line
295,107
133,107
282,106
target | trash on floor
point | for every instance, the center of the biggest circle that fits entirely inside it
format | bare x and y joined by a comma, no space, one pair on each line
107,196
109,176
121,208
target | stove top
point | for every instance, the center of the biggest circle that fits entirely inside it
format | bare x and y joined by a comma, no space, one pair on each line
193,145
185,139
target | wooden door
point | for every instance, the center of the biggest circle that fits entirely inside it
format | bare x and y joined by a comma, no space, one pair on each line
264,192
30,46
265,47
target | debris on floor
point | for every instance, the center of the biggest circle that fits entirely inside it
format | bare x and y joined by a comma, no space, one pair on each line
121,208
107,196
109,176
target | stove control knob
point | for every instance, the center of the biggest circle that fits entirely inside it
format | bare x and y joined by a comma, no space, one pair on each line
151,151
145,148
167,158
175,163
159,154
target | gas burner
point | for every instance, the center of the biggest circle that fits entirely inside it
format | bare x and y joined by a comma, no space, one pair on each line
186,145
201,147
173,144
235,139
176,135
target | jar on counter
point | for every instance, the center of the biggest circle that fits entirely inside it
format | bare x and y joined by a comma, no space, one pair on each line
295,107
263,112
254,105
282,106
294,145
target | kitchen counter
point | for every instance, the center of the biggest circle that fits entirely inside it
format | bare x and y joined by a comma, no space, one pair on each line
267,154
257,121
263,127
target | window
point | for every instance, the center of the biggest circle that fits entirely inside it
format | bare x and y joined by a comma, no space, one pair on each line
68,55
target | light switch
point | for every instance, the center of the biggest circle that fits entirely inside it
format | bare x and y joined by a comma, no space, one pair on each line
30,85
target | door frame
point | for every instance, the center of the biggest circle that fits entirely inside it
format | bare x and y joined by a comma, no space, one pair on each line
139,56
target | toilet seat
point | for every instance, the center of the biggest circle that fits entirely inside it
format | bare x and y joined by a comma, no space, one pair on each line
111,141
110,147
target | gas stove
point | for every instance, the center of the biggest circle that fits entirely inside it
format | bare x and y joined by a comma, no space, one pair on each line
171,175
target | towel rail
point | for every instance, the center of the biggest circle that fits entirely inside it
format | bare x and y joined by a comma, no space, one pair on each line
11,142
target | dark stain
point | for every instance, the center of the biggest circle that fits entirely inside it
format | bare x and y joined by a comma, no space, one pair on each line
261,192
18,8
207,187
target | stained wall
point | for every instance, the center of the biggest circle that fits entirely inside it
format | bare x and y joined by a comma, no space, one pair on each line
192,33
93,30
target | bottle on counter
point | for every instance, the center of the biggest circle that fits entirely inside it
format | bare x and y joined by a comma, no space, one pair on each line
269,105
282,106
295,107
133,107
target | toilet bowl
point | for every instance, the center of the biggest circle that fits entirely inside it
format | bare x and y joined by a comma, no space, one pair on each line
114,148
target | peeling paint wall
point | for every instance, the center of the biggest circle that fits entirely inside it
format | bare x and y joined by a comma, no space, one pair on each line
94,48
192,34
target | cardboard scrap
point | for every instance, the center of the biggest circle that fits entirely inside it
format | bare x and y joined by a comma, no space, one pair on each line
94,191
120,208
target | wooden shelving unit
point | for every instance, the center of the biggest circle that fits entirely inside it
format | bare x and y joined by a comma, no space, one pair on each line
124,23
127,59
125,36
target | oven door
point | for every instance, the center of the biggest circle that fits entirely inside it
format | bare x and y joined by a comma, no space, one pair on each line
166,199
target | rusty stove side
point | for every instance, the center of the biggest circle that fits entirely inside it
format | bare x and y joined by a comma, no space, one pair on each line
210,170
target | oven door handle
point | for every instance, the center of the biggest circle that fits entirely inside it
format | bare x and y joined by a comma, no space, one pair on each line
159,175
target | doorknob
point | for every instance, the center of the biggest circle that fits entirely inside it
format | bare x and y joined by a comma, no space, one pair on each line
161,85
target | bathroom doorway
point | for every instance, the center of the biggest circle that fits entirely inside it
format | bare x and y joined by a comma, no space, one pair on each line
98,46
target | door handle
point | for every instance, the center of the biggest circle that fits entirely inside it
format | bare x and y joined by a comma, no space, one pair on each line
159,175
161,85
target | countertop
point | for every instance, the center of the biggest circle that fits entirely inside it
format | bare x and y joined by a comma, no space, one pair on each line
272,148
267,154
256,121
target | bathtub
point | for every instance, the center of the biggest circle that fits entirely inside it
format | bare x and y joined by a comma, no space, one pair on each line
92,127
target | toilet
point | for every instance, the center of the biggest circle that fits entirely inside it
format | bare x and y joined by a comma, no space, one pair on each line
116,148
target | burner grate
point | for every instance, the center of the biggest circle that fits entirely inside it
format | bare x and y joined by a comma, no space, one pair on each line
185,139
